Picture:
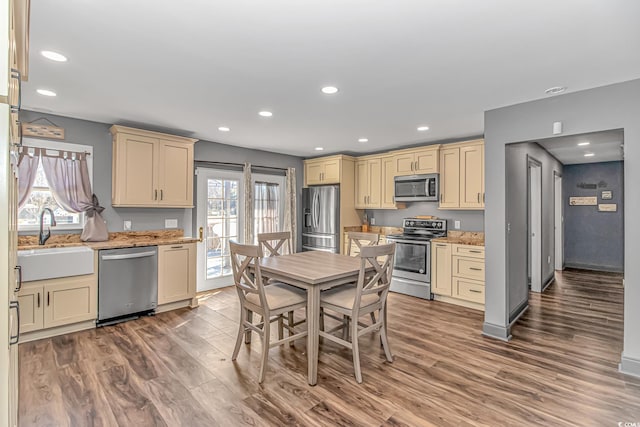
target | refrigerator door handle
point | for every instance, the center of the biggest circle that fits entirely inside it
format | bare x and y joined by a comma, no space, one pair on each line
316,212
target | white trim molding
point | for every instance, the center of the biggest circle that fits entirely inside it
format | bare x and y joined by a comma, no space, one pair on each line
629,366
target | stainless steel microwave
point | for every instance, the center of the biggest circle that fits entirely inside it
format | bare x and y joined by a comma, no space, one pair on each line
416,188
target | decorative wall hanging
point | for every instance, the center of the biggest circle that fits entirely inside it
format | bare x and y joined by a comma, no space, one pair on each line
50,131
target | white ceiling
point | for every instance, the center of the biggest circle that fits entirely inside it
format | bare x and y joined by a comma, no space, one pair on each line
605,146
195,65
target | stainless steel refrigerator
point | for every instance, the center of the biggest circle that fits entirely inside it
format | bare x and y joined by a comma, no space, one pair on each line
321,218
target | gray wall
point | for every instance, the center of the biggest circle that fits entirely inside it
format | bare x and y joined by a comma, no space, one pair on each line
469,220
98,135
517,160
604,108
594,239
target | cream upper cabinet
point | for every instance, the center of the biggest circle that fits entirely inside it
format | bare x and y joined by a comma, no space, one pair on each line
368,183
441,269
449,177
472,176
387,186
151,169
462,175
324,170
176,273
417,161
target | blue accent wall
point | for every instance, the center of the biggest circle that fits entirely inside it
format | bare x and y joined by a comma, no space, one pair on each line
593,239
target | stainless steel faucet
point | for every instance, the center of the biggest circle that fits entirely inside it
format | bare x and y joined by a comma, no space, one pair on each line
44,235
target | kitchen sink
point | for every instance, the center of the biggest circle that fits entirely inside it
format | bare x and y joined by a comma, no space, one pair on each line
50,263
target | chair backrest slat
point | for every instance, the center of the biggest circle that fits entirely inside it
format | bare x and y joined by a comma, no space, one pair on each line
274,244
246,279
361,239
378,281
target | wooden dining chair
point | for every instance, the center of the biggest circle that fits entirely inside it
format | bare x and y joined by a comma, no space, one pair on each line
361,239
271,302
274,244
368,296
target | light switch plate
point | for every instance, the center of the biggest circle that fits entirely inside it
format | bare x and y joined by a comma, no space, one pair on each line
456,225
127,226
170,223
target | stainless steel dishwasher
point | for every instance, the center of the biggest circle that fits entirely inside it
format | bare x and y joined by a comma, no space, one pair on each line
127,283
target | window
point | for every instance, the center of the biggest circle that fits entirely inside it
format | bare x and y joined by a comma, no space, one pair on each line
41,196
222,224
268,207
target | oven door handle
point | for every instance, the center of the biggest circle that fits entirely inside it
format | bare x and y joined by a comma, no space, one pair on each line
411,242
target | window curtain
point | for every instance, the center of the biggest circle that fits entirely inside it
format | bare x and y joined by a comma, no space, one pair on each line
290,206
68,177
266,207
248,204
28,161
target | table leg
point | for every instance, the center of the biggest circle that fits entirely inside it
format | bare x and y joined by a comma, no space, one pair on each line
313,320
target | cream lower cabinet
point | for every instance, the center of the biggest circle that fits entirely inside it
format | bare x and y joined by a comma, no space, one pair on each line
457,274
58,302
151,169
176,273
462,175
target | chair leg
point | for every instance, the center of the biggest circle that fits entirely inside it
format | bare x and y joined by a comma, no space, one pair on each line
240,333
321,319
247,336
280,327
345,327
266,334
291,321
356,351
385,341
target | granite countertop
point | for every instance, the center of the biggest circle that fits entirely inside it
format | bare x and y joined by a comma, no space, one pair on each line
473,238
124,239
382,230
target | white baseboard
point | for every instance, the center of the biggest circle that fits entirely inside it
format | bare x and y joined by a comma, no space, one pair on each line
629,366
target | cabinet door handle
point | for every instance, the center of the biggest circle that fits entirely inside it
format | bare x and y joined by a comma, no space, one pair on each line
176,247
155,195
19,143
478,197
475,269
15,74
441,245
441,197
483,197
475,291
475,252
161,195
416,168
38,299
48,298
18,268
13,339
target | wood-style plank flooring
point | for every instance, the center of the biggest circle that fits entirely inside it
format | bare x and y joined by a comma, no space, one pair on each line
174,369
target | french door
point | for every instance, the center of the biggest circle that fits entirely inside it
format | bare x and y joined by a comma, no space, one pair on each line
220,216
268,204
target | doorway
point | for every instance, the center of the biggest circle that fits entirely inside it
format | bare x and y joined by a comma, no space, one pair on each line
535,225
558,222
220,216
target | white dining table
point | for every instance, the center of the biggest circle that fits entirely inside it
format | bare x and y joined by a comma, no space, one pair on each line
313,271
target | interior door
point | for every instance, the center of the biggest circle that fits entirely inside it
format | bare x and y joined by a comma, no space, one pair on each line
558,224
220,216
535,226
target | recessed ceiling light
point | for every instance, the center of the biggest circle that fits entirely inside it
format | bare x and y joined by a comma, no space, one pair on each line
54,56
555,90
224,129
363,140
319,148
423,128
582,144
589,155
329,90
266,113
46,92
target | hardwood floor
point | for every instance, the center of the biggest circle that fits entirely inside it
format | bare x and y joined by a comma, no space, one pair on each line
174,369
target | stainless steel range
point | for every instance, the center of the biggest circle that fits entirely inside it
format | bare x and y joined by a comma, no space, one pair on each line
412,263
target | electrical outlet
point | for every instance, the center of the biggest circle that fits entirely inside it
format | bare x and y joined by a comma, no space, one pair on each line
549,259
170,223
456,225
127,226
373,221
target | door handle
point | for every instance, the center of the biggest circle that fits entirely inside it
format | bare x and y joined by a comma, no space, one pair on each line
18,268
161,195
478,197
475,269
13,339
48,298
155,196
201,234
475,291
15,74
38,299
124,256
